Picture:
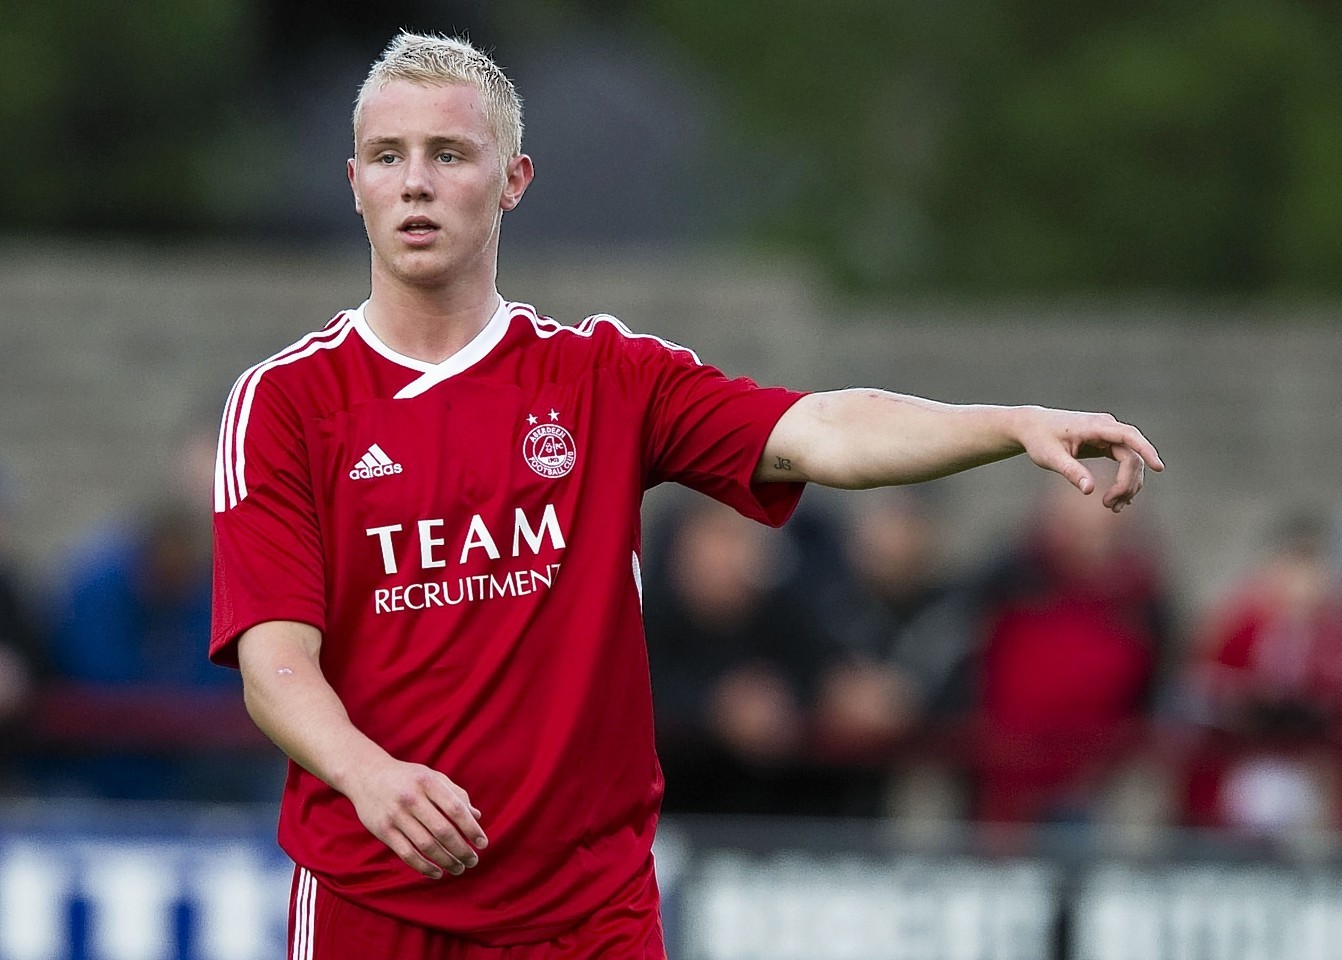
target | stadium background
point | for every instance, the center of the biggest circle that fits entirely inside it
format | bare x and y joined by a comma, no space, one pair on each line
1022,201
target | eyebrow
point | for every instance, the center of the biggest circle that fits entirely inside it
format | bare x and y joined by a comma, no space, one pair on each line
435,141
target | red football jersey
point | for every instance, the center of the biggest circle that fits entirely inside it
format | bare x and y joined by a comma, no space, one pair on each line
466,536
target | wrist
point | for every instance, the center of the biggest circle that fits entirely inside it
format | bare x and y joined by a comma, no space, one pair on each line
352,760
1010,427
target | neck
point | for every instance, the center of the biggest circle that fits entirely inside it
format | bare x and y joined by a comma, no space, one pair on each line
429,324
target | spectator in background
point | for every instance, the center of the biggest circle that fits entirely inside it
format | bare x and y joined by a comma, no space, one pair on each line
20,645
130,620
1267,687
736,655
134,602
1076,624
908,632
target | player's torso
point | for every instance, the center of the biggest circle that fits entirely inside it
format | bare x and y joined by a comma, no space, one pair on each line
451,518
474,479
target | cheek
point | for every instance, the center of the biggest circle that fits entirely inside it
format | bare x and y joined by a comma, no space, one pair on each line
376,193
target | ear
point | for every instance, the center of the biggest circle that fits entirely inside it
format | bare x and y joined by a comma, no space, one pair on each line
517,177
354,187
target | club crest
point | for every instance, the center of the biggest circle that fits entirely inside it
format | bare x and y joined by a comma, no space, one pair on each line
549,450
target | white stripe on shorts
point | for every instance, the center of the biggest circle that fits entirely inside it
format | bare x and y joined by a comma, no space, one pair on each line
305,913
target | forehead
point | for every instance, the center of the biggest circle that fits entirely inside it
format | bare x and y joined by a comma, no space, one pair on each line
405,110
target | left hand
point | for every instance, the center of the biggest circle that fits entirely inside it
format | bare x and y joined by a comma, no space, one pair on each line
1059,440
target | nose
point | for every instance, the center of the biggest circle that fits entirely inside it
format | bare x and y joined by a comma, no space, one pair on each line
418,185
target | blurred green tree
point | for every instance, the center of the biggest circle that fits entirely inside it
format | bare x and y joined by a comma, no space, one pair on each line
1028,146
1036,145
129,116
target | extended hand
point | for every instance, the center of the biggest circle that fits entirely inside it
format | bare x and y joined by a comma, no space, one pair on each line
425,818
1059,440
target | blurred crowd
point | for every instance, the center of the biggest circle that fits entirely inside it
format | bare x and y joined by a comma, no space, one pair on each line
105,690
839,667
842,667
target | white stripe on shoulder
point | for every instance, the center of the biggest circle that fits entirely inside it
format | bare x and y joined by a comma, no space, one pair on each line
547,327
230,461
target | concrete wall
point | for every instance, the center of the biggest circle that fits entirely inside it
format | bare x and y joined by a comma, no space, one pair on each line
106,351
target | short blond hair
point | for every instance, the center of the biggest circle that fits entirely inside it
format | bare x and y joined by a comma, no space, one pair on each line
432,59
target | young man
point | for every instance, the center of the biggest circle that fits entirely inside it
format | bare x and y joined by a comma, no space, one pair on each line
427,552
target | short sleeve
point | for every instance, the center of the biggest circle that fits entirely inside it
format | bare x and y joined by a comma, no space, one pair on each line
267,545
708,431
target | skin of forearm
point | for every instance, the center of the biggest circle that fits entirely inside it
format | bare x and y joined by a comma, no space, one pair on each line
861,438
290,700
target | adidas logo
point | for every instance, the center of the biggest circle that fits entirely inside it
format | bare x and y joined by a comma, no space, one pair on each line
374,463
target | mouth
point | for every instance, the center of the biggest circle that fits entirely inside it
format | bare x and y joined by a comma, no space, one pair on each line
418,227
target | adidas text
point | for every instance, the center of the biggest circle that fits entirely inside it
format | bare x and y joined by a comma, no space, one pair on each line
364,472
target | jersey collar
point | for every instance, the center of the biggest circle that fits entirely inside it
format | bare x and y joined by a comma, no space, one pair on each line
435,373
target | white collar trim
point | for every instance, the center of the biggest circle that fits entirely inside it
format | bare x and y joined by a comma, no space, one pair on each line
432,374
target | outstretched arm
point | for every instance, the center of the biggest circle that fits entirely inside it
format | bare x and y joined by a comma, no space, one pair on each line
862,438
416,811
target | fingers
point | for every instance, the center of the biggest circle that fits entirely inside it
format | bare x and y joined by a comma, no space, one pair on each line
1069,468
418,849
456,806
1118,434
1081,479
429,822
1128,482
1061,440
435,839
431,848
1146,450
436,821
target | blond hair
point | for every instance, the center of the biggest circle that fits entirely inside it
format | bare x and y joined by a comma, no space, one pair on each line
433,59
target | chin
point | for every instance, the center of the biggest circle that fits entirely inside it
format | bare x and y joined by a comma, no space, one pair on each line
419,270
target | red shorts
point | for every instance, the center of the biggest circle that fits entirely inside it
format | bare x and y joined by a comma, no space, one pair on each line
322,926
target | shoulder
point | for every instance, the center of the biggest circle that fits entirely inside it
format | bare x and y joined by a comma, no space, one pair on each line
269,402
601,336
305,356
288,382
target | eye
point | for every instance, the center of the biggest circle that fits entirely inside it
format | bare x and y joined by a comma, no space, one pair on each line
447,158
386,159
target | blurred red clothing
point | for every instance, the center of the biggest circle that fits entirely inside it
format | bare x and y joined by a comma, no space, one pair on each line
1074,628
1273,650
1268,679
